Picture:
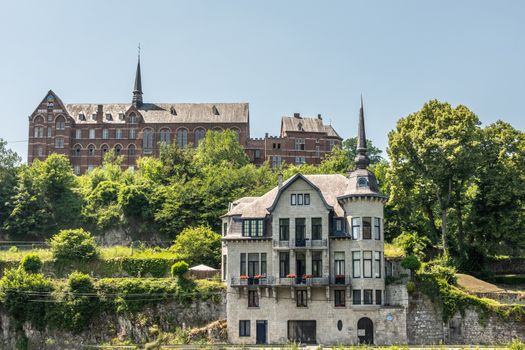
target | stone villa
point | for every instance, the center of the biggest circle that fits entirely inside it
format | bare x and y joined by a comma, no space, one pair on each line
85,132
304,262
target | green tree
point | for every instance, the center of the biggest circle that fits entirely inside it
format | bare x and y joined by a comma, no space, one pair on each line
9,161
497,219
219,147
198,245
73,245
47,199
434,153
350,146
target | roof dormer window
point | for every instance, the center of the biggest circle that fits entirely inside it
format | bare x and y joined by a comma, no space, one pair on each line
121,115
94,116
109,116
362,182
300,127
215,110
173,111
81,116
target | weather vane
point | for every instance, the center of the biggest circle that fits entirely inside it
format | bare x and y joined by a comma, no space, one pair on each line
139,49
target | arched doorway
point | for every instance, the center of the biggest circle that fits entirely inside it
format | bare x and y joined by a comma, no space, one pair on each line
365,331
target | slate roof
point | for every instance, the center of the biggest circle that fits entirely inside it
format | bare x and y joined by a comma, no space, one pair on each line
166,112
308,124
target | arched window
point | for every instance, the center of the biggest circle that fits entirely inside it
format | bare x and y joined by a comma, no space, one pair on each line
199,136
91,150
147,141
182,138
165,136
78,150
132,118
60,123
131,151
39,120
118,149
104,148
238,132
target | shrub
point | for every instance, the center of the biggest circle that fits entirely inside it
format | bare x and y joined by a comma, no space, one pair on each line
198,245
516,345
79,282
73,245
179,269
412,243
31,263
411,287
411,262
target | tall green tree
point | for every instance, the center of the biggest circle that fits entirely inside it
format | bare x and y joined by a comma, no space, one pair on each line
497,218
9,162
434,152
221,147
350,146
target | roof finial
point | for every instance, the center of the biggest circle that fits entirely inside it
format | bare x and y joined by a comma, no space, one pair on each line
361,159
137,90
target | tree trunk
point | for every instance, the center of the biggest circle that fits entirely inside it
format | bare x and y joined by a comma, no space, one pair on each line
432,220
444,228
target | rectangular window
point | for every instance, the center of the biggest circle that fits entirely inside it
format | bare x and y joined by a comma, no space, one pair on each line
306,199
377,264
105,134
356,264
244,328
243,264
293,199
356,228
301,297
377,228
284,229
338,225
49,132
339,263
299,144
263,264
224,266
276,161
284,264
317,228
317,151
300,231
91,133
118,134
367,228
253,264
367,264
225,229
252,228
356,296
299,199
339,297
77,169
379,299
367,296
78,134
300,160
59,142
317,264
132,133
253,298
258,154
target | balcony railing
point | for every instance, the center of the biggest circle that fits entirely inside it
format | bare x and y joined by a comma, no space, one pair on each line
303,243
249,281
303,281
340,279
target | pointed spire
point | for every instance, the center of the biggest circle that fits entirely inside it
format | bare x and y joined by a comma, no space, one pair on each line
137,89
361,160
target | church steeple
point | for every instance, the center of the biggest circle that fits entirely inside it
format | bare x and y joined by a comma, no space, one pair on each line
137,89
361,159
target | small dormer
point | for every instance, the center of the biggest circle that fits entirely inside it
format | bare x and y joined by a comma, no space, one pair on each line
81,116
109,116
215,111
94,116
173,111
121,115
300,126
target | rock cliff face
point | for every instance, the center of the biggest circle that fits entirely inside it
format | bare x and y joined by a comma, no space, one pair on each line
140,327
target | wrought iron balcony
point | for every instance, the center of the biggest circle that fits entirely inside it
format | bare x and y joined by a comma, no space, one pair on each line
249,281
343,280
301,243
303,281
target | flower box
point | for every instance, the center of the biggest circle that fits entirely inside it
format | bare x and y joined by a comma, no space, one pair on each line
291,275
308,276
243,277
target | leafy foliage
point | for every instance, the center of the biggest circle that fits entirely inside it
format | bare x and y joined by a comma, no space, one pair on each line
411,262
31,263
73,245
199,245
179,269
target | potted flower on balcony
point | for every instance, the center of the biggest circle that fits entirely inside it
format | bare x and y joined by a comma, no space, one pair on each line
307,276
291,275
244,279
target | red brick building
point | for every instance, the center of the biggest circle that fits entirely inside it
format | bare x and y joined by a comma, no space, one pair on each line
85,132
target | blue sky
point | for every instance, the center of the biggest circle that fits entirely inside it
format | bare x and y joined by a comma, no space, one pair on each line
280,56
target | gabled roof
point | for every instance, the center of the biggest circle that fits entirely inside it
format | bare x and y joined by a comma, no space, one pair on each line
306,124
166,112
328,186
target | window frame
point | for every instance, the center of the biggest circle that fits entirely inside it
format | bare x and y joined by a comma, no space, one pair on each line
293,199
301,297
339,264
284,264
253,299
356,264
366,223
244,328
284,229
368,295
378,297
339,298
377,228
356,228
356,297
367,262
317,228
377,265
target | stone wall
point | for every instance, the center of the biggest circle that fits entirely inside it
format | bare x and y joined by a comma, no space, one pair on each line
137,328
425,326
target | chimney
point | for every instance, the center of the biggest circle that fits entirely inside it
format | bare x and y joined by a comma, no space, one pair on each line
319,117
279,181
266,135
297,115
100,113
